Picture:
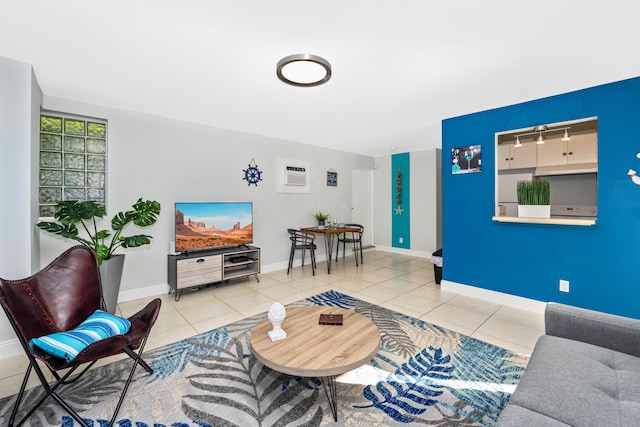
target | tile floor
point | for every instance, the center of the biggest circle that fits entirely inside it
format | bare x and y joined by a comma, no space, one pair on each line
398,282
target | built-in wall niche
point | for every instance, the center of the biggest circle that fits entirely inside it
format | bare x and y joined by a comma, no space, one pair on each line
564,153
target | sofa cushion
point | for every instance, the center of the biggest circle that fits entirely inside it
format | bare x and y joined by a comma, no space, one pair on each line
580,384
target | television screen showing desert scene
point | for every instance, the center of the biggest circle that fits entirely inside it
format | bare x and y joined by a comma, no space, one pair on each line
210,225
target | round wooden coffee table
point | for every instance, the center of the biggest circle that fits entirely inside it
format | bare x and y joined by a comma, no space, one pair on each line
314,350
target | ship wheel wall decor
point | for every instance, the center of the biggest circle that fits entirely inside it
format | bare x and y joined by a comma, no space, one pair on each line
252,174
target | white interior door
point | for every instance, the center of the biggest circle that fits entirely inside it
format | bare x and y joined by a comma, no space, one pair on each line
362,202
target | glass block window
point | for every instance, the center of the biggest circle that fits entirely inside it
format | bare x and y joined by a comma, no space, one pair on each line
73,160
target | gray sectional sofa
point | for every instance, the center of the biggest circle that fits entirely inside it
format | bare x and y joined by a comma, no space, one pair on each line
584,372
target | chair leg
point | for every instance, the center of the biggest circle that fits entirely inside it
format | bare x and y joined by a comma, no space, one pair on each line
355,251
291,255
70,410
361,257
71,381
137,360
313,261
20,394
138,357
49,391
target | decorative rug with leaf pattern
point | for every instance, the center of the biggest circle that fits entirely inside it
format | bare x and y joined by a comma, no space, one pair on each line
422,374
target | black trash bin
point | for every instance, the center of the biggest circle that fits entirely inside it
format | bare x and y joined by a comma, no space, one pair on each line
436,259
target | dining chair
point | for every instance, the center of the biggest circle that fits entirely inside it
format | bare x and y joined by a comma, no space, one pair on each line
304,242
60,319
355,238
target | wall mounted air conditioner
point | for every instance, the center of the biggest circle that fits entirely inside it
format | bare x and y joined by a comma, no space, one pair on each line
295,175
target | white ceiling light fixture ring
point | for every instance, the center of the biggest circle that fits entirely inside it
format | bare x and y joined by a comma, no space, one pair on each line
304,70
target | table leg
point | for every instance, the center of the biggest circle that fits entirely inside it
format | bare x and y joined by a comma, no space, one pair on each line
329,384
328,248
355,248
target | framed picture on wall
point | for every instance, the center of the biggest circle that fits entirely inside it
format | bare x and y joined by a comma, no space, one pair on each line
332,178
466,159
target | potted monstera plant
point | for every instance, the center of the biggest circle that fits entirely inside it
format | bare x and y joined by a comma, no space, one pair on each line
72,214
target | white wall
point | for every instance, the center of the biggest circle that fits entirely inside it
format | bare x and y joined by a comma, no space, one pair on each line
169,161
426,221
20,99
382,201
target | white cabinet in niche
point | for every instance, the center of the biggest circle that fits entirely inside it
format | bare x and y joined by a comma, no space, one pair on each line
582,148
571,165
512,157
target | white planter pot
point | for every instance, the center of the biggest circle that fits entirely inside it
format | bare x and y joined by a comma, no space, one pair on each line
534,211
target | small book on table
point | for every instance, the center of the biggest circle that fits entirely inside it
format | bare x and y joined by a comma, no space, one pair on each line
330,319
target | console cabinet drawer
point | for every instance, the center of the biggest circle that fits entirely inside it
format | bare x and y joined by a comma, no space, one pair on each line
198,271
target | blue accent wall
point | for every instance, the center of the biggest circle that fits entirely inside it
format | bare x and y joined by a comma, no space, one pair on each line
601,262
401,224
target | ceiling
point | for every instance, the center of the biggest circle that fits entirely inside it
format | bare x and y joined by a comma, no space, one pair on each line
399,66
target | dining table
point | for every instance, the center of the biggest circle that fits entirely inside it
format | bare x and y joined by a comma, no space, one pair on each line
329,232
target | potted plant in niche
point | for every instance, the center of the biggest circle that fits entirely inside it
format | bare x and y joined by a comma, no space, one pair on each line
534,199
71,213
321,217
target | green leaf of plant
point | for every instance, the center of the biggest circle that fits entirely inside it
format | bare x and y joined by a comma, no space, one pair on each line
102,251
134,241
146,212
102,234
74,211
120,220
143,214
65,230
533,192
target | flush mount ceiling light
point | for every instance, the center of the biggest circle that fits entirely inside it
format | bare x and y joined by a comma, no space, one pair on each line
304,70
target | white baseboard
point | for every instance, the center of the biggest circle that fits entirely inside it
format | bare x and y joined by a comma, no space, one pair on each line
163,288
402,251
146,292
10,348
494,296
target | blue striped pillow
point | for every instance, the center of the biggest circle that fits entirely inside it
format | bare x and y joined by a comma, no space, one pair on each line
67,345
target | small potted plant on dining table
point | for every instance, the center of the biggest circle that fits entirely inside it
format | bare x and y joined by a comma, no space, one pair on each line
321,217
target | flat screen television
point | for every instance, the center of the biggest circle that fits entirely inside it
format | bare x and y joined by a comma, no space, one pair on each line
207,225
